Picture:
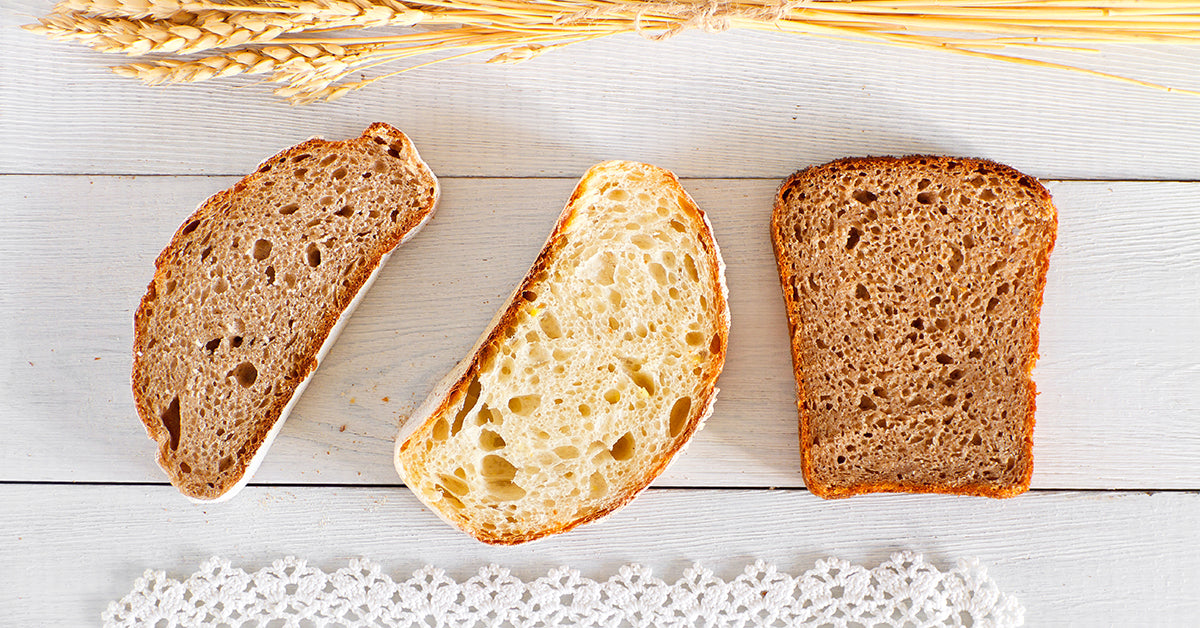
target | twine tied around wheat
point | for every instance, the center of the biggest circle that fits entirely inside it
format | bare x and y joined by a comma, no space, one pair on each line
311,48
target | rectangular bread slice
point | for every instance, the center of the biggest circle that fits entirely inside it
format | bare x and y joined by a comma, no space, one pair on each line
913,287
253,289
597,371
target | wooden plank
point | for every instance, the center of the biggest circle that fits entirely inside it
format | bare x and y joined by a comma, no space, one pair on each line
1119,375
68,550
705,105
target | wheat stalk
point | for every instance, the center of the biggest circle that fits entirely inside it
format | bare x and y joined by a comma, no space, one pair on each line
304,45
184,32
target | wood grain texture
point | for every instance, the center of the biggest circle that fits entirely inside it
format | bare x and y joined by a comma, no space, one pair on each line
1119,375
72,549
734,104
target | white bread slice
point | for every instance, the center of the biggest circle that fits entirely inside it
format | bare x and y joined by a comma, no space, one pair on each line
598,370
913,288
252,291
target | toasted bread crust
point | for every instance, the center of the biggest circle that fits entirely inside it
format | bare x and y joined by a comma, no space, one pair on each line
420,425
788,270
202,488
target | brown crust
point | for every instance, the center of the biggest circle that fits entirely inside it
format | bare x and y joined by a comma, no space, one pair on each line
506,320
199,488
787,272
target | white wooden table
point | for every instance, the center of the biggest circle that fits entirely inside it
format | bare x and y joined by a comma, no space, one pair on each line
96,172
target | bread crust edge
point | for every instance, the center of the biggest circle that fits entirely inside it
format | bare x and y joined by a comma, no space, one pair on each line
787,271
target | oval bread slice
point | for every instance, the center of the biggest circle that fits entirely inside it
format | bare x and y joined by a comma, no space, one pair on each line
253,289
600,368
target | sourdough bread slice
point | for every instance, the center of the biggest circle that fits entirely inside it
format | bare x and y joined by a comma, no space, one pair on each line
252,290
597,371
913,287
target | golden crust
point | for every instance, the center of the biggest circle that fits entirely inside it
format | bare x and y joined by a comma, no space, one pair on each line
199,488
787,270
495,335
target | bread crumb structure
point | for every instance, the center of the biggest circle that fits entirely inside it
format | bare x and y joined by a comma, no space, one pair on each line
913,288
251,288
595,374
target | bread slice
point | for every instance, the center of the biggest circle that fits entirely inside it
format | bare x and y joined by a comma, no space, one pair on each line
913,287
598,370
252,290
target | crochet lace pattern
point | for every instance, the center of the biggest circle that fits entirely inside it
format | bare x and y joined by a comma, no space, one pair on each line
903,591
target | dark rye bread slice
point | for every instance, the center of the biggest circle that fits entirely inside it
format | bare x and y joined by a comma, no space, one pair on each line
253,289
913,287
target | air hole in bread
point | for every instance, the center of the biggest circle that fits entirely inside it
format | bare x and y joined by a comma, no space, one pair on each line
211,345
170,421
205,253
991,304
245,374
289,209
694,338
489,440
679,415
504,490
618,194
865,197
345,212
495,467
566,452
598,486
643,381
643,241
236,341
861,292
270,275
926,198
852,238
299,173
987,195
340,173
191,226
866,403
449,498
689,264
312,255
440,430
942,358
472,396
623,448
956,259
525,404
456,486
225,464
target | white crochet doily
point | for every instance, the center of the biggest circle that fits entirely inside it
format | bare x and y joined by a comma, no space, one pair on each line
904,591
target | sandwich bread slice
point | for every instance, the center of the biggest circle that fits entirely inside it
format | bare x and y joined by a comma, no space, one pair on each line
913,288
